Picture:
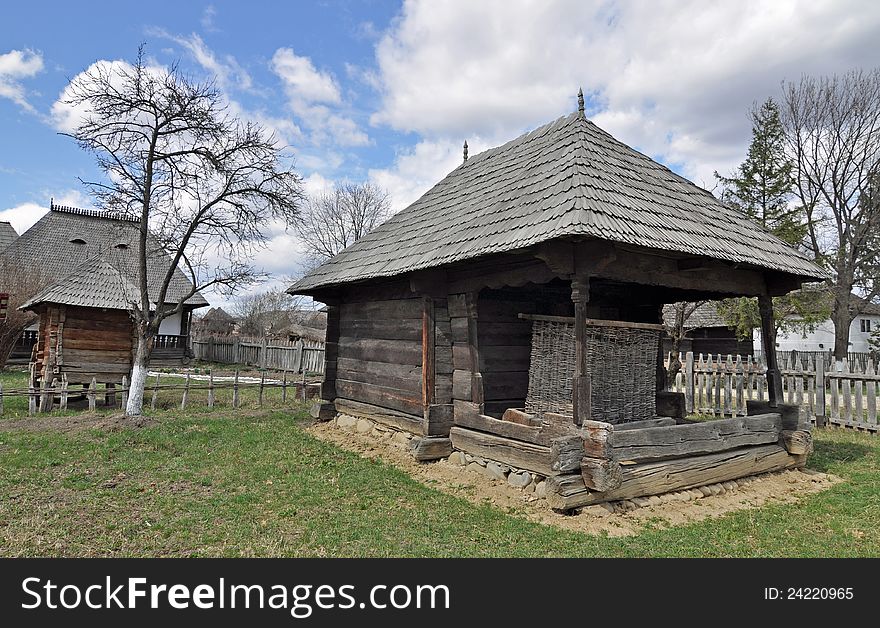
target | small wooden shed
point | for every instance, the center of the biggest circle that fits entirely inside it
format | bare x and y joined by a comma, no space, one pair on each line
84,327
514,312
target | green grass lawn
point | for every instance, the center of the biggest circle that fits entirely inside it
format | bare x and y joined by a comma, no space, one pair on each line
255,483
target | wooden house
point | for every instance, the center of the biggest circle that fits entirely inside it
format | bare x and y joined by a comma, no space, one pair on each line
8,235
513,312
89,267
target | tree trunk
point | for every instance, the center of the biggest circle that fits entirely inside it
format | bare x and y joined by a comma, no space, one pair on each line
139,367
842,320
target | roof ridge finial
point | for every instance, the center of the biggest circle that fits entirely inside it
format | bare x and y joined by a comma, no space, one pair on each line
580,100
464,152
51,202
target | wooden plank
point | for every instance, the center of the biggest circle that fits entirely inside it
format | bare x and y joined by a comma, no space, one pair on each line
600,474
392,309
409,422
403,376
654,478
382,328
638,425
846,392
468,415
393,398
594,322
428,375
871,394
430,448
675,441
376,350
516,453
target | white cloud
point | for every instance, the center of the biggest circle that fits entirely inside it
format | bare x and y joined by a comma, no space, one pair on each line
309,92
24,216
66,117
301,80
227,71
415,170
673,78
16,65
207,21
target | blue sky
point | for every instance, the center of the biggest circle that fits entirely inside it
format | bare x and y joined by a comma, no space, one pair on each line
387,91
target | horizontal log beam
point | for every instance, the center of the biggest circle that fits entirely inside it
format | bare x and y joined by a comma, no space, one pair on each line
675,441
654,478
407,422
519,454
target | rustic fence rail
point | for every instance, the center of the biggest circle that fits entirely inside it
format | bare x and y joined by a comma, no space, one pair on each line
301,356
58,395
837,393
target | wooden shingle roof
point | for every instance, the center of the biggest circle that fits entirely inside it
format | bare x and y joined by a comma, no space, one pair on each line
66,242
8,235
568,178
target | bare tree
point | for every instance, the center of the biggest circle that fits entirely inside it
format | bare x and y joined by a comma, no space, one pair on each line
202,183
334,220
21,283
832,131
677,329
266,313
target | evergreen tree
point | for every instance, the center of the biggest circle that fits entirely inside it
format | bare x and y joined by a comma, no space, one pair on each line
762,186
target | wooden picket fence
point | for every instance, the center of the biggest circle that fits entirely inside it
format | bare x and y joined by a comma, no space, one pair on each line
300,356
44,398
837,393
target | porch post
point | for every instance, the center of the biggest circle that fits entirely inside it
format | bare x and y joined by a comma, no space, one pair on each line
581,385
768,340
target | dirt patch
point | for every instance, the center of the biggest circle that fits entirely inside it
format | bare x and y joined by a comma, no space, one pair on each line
77,423
475,486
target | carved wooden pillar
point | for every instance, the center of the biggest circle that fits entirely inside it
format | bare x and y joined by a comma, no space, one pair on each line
581,386
768,338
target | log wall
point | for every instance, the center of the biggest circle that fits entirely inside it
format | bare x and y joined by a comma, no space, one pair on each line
379,355
83,343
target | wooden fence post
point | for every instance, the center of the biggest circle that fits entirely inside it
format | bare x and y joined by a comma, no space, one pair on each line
284,387
235,400
64,386
262,383
689,382
872,394
124,392
847,392
110,394
298,352
210,390
183,399
1,398
740,379
304,384
92,394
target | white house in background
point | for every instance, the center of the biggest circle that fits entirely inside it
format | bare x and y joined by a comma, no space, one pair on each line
822,337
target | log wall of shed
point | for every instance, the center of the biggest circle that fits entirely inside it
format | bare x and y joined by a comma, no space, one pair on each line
379,359
83,343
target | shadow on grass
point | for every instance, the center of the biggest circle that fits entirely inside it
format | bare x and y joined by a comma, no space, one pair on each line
830,453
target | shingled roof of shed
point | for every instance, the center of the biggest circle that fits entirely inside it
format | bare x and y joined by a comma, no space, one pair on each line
705,315
8,235
568,178
66,241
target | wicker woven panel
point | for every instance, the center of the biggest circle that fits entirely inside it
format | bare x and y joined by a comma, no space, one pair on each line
620,361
